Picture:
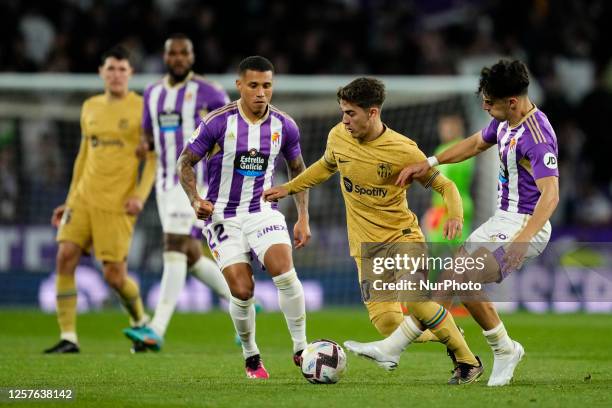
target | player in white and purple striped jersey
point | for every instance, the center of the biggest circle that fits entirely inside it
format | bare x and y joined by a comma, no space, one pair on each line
242,142
173,107
528,193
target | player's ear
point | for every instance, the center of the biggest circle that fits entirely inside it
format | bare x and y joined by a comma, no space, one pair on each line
238,83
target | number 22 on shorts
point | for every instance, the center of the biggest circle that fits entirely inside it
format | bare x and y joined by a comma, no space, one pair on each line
220,235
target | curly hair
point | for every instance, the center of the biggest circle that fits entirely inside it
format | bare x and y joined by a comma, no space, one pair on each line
363,92
504,79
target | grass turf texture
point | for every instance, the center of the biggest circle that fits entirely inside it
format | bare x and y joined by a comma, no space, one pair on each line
568,363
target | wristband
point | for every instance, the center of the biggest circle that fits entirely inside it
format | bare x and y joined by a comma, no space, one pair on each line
433,161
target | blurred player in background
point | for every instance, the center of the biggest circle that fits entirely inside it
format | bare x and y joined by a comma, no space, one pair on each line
173,109
104,198
528,193
242,142
450,131
369,156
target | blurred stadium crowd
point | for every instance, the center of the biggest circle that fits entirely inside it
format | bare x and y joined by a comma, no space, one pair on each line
564,42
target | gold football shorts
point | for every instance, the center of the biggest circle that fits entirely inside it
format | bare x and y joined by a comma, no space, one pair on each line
109,233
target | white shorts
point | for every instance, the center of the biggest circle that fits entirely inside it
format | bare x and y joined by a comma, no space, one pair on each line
175,212
231,240
500,230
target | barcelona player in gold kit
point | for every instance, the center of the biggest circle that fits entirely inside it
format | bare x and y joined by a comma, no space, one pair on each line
105,197
369,156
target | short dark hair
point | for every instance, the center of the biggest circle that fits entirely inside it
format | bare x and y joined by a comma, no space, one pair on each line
118,51
504,79
363,92
255,63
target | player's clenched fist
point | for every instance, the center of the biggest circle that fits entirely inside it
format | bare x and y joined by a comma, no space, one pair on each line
202,208
275,193
133,206
411,172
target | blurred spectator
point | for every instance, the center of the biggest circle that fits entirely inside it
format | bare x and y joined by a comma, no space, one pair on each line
39,35
378,37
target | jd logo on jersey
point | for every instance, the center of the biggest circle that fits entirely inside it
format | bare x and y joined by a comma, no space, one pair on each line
383,170
550,161
251,163
169,121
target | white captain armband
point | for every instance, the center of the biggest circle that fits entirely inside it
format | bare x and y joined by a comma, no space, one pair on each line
433,161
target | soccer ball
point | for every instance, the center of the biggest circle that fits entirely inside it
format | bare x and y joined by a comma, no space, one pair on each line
323,362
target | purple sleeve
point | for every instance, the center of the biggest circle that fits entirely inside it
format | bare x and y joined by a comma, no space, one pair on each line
291,143
543,160
489,134
147,126
202,140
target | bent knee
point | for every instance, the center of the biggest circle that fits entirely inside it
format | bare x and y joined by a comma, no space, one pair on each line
243,293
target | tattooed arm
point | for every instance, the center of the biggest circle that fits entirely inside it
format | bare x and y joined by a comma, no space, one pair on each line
187,176
301,230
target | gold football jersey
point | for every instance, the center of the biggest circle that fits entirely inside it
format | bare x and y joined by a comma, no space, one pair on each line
106,169
376,209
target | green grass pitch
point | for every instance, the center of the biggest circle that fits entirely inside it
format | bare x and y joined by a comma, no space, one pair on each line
568,363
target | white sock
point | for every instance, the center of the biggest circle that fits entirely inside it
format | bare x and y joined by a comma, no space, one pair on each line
291,302
243,316
207,272
401,338
172,283
70,336
499,340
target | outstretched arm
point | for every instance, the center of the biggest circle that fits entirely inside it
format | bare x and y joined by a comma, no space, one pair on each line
187,177
458,152
315,174
463,150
